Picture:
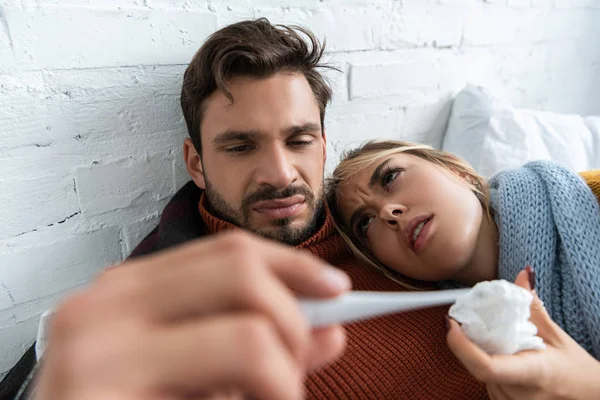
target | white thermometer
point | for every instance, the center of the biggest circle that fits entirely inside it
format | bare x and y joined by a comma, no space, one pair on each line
359,305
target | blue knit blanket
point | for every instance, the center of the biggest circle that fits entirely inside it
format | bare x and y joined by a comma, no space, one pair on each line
549,218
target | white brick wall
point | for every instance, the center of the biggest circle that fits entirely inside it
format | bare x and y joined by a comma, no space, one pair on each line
91,131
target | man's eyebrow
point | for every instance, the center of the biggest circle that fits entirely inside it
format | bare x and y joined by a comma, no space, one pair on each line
303,128
376,177
235,136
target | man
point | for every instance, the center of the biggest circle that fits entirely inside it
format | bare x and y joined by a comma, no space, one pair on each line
218,315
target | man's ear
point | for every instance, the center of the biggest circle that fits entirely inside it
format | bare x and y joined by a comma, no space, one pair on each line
193,163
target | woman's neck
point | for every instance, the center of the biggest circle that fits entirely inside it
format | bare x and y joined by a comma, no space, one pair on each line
484,263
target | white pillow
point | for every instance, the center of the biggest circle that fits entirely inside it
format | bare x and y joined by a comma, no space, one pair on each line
492,135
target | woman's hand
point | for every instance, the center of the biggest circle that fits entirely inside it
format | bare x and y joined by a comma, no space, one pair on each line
564,370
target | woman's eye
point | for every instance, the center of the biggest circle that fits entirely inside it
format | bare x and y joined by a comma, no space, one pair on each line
389,177
363,225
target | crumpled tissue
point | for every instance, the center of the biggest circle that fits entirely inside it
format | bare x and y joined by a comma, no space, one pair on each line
495,315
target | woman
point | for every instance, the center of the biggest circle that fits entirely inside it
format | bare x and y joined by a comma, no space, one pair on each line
426,215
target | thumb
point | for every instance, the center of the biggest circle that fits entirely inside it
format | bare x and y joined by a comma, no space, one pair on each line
547,329
526,279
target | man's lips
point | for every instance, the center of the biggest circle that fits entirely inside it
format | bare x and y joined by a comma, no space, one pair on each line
280,208
278,203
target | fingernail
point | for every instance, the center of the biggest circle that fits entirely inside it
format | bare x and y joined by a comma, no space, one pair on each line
447,322
336,278
531,273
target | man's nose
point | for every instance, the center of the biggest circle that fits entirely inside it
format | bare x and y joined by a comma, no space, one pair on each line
392,215
276,168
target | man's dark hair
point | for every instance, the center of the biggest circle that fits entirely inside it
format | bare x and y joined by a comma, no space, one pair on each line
256,49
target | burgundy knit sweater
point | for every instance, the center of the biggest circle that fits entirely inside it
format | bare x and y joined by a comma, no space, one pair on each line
400,356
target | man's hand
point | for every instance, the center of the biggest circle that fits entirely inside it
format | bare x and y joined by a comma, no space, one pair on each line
211,316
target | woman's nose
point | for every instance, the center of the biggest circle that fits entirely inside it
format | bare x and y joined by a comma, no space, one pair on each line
391,214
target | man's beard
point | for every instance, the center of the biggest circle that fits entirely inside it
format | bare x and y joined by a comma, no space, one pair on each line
284,231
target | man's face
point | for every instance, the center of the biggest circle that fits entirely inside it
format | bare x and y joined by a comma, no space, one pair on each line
263,156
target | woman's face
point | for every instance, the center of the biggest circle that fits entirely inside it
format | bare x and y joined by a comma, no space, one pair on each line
414,216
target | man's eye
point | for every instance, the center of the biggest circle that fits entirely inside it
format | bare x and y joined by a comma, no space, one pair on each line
239,149
301,143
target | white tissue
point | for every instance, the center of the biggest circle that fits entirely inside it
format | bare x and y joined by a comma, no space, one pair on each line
495,315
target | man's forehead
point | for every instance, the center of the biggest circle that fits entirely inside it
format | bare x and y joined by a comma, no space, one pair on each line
247,91
279,102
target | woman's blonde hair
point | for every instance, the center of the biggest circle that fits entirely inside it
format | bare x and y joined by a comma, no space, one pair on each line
369,153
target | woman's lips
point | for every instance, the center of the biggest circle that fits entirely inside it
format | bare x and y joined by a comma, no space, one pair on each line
423,235
410,230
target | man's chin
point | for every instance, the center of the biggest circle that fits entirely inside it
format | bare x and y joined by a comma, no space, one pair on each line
283,231
261,224
292,231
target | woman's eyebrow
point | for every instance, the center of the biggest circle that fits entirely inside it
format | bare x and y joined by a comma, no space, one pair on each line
376,177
